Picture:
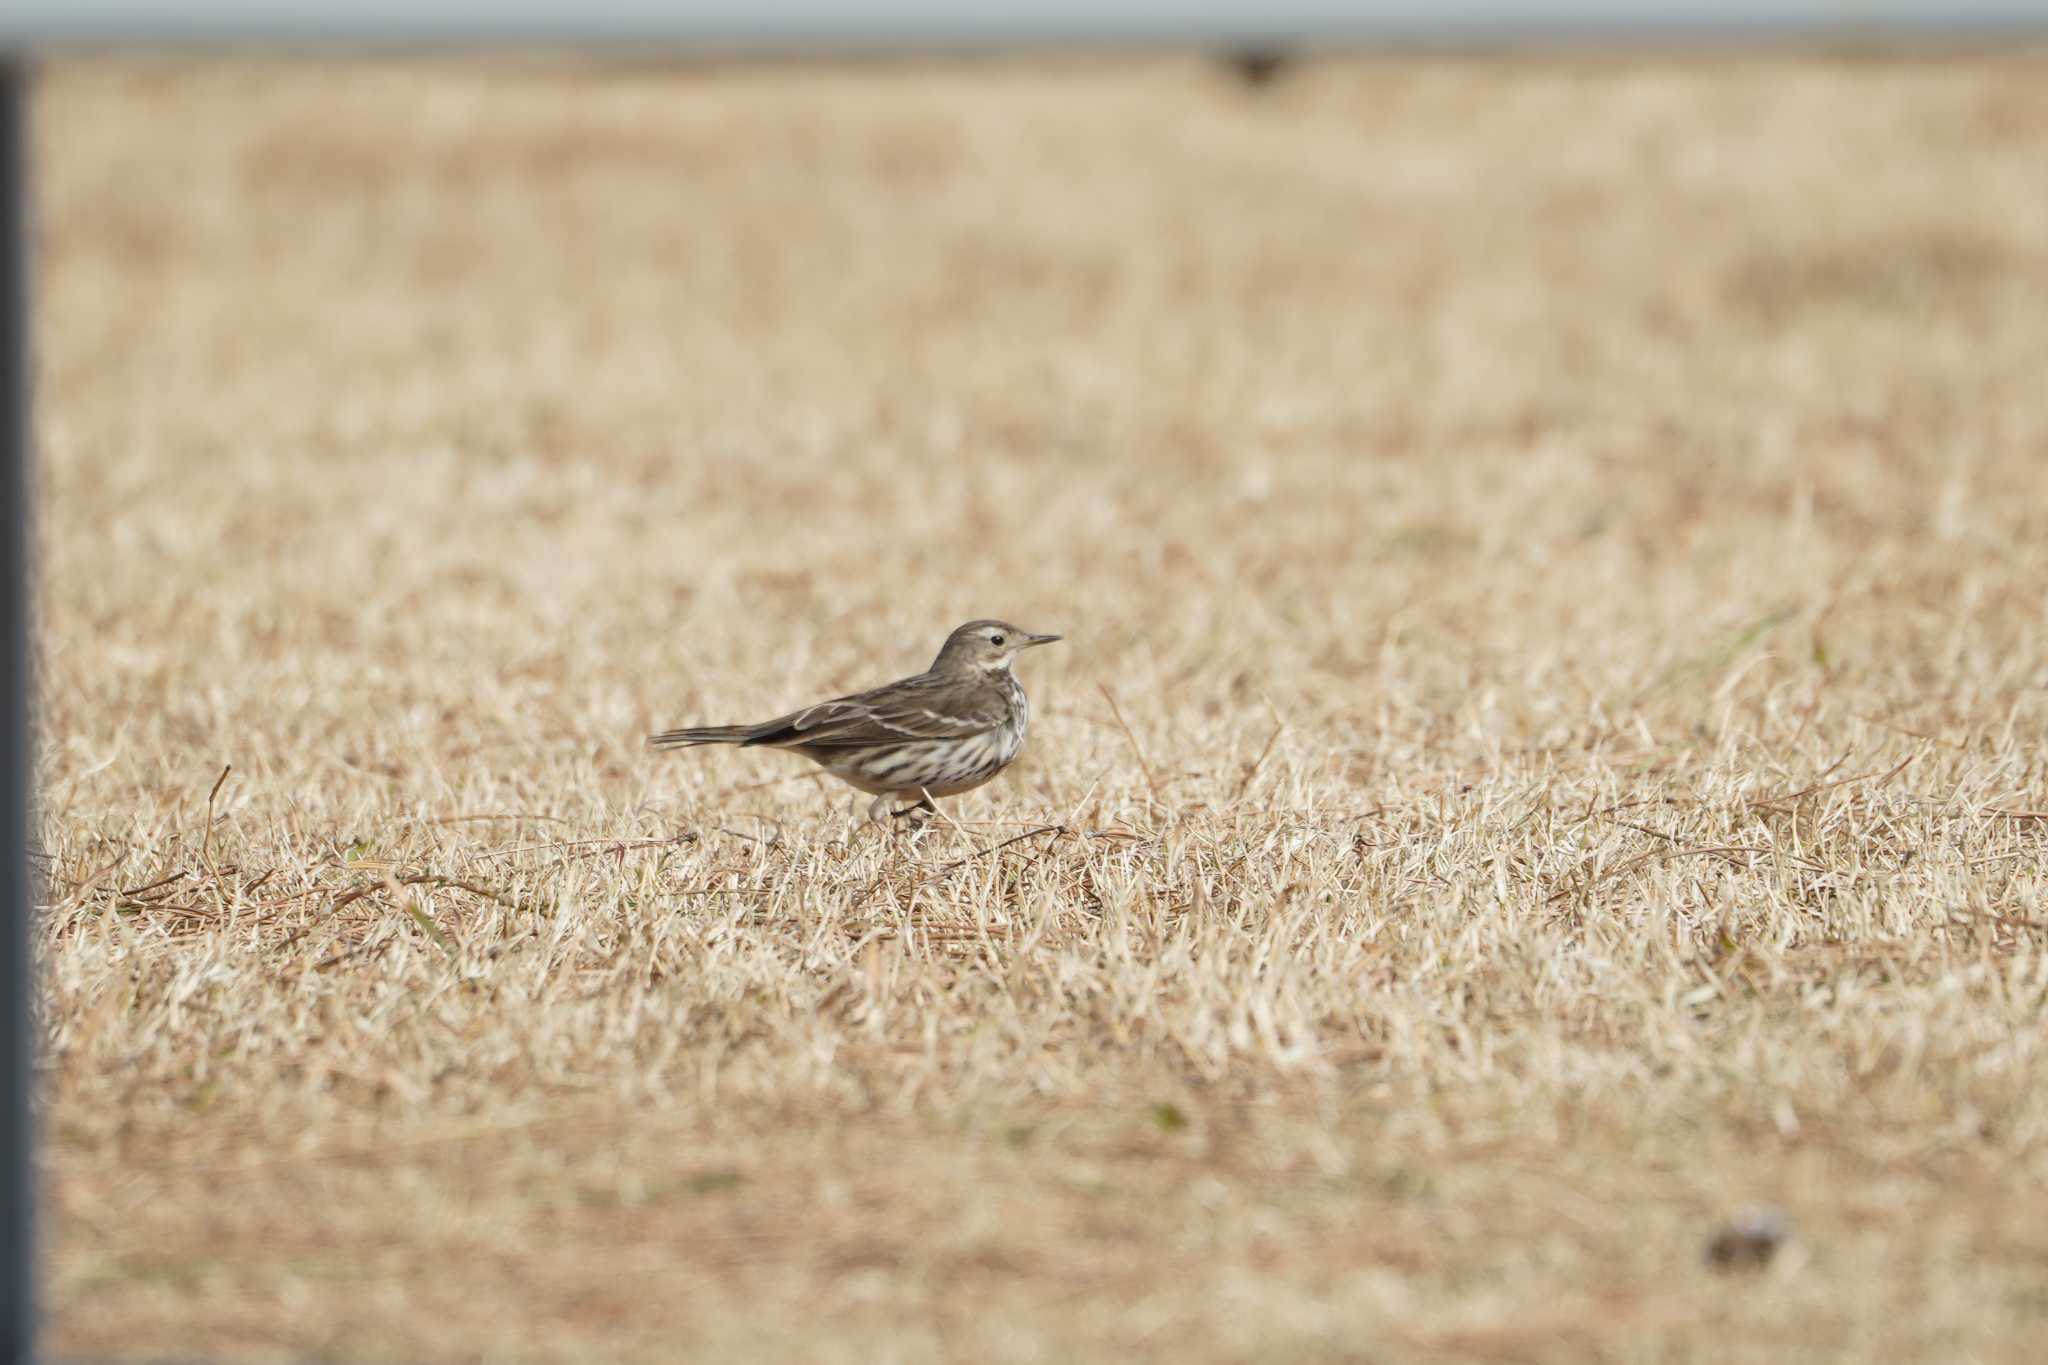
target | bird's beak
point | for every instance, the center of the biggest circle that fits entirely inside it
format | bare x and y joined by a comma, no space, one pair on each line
1042,640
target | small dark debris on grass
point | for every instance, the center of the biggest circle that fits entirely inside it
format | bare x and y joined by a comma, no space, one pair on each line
1259,67
1169,1117
1750,1239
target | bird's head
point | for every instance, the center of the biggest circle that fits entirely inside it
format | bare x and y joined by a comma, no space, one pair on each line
985,647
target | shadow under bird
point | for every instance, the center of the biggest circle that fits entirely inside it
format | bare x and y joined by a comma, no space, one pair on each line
945,731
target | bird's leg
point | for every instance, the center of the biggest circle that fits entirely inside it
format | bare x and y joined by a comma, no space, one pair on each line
919,813
878,810
917,818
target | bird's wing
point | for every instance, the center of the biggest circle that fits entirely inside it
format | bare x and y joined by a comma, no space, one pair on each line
916,708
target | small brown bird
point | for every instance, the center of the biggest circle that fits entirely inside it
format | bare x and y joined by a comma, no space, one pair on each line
945,731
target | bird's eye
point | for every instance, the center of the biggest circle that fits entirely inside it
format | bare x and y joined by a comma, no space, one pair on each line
995,639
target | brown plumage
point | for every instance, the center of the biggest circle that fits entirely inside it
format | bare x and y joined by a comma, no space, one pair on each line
945,731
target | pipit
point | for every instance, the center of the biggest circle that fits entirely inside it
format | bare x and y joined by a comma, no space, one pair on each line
945,731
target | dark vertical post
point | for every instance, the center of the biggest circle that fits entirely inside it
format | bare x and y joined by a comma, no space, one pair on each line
17,1198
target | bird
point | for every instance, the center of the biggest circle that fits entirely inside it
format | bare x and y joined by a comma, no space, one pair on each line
938,733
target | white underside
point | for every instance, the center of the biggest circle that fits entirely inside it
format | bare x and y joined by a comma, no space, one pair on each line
980,759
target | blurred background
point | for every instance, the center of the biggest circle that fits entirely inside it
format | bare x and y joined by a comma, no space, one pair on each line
636,393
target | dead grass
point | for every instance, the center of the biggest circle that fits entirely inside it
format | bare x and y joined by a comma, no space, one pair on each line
1565,539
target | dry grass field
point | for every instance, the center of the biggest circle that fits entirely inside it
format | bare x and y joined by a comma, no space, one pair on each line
1565,538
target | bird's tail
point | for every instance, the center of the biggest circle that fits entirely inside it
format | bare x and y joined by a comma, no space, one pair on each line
702,734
